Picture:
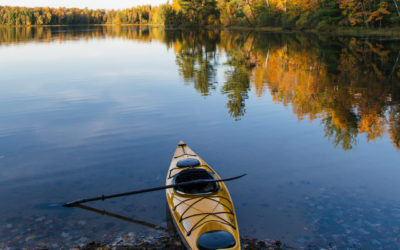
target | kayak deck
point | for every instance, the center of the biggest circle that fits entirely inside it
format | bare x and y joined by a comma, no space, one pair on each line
204,215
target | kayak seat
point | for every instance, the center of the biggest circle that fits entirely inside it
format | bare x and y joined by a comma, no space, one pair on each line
188,162
192,175
215,240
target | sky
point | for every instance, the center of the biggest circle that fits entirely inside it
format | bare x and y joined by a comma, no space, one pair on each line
91,4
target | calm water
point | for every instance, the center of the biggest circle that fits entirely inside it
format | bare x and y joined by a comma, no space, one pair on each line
314,121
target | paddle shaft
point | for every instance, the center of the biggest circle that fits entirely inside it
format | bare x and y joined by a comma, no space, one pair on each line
104,197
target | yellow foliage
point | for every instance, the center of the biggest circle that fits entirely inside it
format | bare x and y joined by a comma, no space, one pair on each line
117,21
175,5
378,49
177,46
373,125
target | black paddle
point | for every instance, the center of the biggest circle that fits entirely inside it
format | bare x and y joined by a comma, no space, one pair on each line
104,197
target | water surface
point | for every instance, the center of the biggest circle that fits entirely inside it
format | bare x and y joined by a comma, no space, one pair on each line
313,120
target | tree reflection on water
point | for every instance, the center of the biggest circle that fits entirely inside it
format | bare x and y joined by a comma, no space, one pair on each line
352,85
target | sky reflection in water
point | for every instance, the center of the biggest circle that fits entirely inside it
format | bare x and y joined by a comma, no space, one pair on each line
100,110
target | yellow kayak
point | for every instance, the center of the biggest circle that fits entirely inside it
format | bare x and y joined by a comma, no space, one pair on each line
203,213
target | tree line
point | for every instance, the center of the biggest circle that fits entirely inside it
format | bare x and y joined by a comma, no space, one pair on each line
299,14
74,16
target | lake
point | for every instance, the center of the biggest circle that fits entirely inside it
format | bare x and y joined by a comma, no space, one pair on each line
314,120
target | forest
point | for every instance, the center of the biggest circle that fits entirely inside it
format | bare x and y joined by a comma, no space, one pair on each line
285,14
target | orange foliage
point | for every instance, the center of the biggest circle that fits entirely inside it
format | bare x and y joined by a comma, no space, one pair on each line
354,100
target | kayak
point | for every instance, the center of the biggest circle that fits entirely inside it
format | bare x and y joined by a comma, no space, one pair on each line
203,213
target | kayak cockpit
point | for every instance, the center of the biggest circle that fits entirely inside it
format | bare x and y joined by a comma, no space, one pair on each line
217,239
189,175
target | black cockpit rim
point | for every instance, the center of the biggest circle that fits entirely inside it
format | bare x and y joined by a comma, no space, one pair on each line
195,189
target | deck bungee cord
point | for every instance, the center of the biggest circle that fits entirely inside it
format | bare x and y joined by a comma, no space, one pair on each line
206,214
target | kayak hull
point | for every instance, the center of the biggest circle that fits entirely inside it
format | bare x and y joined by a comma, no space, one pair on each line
204,218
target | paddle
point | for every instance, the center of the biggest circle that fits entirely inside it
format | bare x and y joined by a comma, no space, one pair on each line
104,197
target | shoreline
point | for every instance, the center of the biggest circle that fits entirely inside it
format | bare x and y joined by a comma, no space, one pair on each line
341,31
168,241
345,31
76,25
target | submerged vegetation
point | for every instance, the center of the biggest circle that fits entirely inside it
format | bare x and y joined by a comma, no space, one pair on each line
295,14
350,85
